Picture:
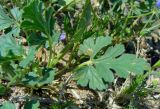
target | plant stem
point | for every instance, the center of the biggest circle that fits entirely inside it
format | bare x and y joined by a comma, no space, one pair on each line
76,68
149,20
83,64
130,87
69,62
142,15
64,7
50,52
126,20
59,56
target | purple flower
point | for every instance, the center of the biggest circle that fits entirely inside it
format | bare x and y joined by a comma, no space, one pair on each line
158,3
63,36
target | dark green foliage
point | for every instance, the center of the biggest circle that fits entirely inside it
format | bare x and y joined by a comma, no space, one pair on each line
3,89
33,55
33,104
34,20
34,80
84,21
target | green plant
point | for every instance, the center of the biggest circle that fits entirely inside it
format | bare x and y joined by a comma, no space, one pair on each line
94,57
100,68
8,105
29,105
127,19
135,88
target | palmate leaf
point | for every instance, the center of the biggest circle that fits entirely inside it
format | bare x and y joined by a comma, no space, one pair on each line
9,50
8,105
5,20
33,16
9,47
17,14
99,69
34,80
91,47
34,20
14,20
17,17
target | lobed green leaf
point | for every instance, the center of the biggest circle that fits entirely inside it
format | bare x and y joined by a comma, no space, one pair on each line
100,70
5,20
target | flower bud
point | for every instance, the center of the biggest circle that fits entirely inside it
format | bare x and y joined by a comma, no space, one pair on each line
63,36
